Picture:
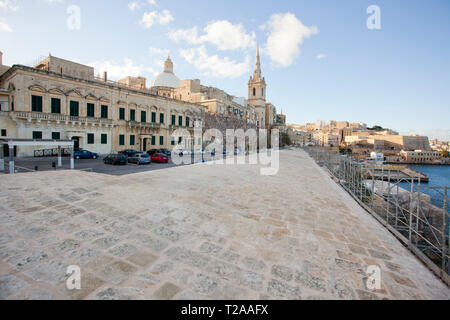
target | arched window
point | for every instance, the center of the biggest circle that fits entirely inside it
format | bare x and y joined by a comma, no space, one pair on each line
254,91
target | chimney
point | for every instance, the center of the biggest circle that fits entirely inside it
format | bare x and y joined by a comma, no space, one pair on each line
105,76
1,58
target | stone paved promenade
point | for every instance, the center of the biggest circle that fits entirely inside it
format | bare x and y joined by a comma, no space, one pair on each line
198,232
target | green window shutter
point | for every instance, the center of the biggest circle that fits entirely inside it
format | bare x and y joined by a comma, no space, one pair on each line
90,138
104,112
187,121
56,105
153,140
153,117
132,140
74,106
172,141
161,140
122,114
37,134
173,119
56,135
90,112
132,115
104,138
143,116
180,139
180,121
161,118
36,103
121,140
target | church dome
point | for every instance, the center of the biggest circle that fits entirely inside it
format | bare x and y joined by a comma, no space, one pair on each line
167,78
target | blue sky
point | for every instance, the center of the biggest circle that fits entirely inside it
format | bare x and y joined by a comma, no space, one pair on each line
319,58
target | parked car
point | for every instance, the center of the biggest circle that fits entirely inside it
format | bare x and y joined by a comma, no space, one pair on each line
160,158
167,152
153,151
115,159
84,154
128,152
139,158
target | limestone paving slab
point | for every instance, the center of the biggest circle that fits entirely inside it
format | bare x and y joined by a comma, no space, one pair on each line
205,231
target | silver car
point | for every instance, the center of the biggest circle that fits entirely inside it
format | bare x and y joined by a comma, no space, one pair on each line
139,158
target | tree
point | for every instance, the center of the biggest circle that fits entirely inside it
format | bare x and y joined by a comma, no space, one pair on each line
285,140
376,128
445,153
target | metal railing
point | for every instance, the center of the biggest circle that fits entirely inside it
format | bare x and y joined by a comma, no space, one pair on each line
52,152
417,214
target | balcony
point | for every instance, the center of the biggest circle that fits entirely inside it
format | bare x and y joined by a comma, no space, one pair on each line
149,125
39,116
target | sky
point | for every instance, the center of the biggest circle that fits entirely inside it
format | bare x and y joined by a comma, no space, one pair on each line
319,58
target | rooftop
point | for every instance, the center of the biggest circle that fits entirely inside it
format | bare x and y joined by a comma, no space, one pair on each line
206,231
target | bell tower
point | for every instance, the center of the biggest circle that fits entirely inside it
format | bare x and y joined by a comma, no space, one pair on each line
257,92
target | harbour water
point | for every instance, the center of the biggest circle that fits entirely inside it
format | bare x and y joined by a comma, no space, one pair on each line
438,176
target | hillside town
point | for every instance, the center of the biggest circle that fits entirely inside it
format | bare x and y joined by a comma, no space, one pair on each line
370,143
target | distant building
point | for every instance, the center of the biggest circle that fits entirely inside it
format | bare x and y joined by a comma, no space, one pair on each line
420,156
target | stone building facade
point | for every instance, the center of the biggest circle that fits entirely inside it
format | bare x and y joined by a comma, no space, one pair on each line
56,100
255,110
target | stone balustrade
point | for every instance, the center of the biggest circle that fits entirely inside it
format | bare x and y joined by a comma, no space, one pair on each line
56,117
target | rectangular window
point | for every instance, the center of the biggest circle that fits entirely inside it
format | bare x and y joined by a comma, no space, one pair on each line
173,119
104,138
153,140
121,113
143,116
36,103
172,141
187,121
132,140
180,139
56,105
161,140
37,134
153,117
56,136
121,140
132,115
74,108
161,118
90,111
90,138
180,121
4,133
104,112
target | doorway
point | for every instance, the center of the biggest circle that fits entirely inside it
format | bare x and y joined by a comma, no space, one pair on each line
76,143
6,151
144,145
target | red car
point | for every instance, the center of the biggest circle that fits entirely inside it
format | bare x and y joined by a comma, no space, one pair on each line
159,157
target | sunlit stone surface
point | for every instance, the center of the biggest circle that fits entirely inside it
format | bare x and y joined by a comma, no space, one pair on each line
199,232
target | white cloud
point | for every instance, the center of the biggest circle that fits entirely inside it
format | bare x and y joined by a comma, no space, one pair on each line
223,34
9,5
321,56
117,71
285,35
155,17
133,6
152,2
214,66
158,56
157,52
53,1
5,27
